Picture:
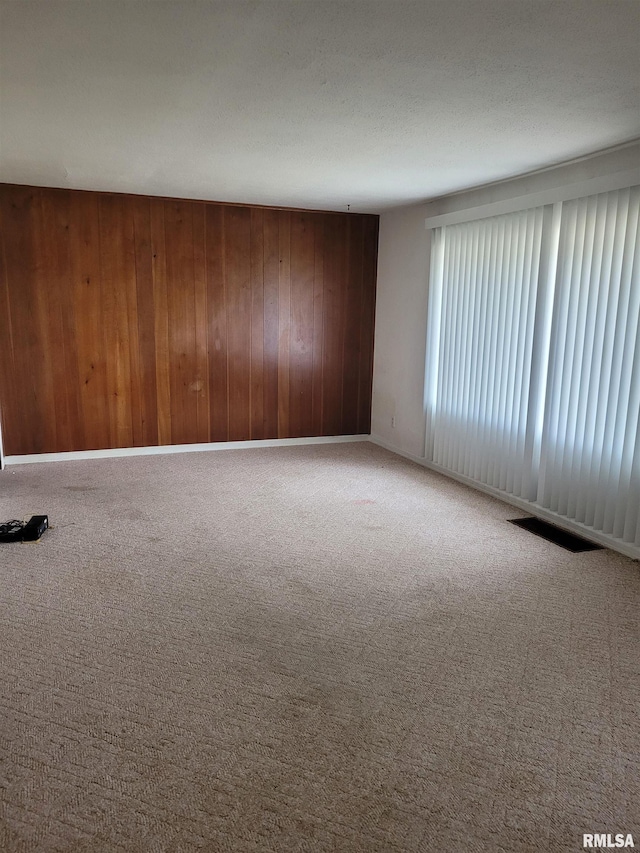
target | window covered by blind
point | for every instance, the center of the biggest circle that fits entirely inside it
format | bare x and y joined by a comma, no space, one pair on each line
533,369
591,449
488,275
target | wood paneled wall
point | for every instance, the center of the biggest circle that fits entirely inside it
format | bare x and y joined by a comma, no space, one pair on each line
128,321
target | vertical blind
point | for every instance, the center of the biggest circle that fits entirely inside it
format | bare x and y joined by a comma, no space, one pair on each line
533,371
489,276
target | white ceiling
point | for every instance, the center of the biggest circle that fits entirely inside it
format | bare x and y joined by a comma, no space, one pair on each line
310,104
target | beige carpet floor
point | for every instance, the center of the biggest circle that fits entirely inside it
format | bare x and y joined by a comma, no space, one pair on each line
306,649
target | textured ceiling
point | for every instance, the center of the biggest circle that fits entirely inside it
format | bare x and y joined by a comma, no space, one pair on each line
310,104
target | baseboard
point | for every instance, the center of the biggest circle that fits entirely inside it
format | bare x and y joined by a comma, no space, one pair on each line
520,503
80,455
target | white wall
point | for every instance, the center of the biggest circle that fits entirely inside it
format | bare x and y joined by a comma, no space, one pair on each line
403,265
401,321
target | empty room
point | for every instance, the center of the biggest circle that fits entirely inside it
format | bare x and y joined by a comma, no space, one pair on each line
319,426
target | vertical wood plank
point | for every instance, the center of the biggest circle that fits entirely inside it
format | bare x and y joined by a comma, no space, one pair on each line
318,328
48,338
8,377
57,321
258,423
26,427
161,321
217,324
237,275
201,381
271,246
352,326
284,322
143,316
181,311
301,342
84,236
333,323
369,272
128,328
115,249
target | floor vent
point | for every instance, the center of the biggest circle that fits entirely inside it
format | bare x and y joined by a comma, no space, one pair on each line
555,534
